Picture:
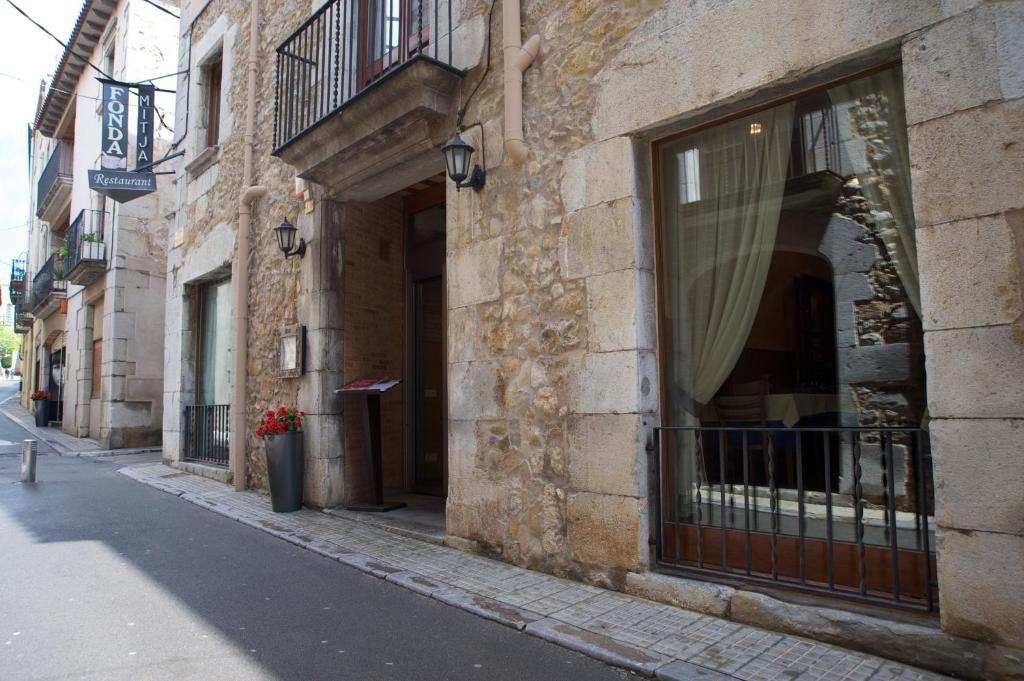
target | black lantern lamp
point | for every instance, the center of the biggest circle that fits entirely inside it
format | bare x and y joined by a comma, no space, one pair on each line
458,155
286,240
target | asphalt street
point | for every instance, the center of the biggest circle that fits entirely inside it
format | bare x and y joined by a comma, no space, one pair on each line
103,578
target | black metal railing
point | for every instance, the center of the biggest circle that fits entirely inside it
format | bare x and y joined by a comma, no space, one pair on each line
84,239
22,319
207,433
345,48
48,281
842,511
59,167
17,284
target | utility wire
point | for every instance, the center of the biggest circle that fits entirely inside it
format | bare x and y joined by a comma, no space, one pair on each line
83,59
59,41
162,9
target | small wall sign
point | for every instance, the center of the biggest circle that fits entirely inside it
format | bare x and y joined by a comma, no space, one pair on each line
291,351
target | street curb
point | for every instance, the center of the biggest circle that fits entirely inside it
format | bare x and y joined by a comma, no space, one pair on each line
592,645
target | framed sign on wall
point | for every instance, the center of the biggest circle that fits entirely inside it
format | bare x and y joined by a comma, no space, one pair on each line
291,351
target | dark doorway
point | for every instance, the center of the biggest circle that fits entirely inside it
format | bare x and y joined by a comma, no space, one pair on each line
425,256
428,402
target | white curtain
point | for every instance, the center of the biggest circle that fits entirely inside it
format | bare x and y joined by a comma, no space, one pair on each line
878,118
721,235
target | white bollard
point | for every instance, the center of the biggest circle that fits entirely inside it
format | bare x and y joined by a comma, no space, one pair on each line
28,461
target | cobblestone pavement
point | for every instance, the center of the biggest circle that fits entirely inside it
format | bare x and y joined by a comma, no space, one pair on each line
646,637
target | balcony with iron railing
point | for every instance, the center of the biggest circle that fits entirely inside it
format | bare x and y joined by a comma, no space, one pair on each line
86,258
53,190
389,64
48,287
17,284
22,319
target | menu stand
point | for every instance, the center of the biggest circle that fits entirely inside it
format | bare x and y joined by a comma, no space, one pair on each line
370,389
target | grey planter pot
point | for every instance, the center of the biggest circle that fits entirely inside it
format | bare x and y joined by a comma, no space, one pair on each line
285,468
42,413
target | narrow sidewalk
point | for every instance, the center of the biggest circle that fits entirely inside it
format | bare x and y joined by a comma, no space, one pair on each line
61,443
643,636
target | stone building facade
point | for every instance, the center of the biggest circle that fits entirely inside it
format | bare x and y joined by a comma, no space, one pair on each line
95,267
551,308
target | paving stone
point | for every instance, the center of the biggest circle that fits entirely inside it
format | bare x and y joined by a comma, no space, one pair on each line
415,582
686,671
735,650
368,564
488,608
598,646
703,633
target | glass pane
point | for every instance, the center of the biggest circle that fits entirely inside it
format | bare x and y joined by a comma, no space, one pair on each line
792,302
215,344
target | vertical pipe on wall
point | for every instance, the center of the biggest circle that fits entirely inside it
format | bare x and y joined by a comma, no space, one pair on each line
518,57
250,193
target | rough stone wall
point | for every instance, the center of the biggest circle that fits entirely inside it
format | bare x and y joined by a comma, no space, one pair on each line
551,372
547,389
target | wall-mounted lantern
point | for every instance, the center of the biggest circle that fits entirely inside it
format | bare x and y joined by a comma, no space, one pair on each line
286,240
458,155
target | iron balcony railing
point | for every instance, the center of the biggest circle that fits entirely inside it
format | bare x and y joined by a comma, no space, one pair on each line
48,281
22,320
347,47
85,246
841,511
207,433
58,168
17,284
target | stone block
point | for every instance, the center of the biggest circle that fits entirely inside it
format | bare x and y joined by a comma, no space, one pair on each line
464,332
968,164
614,383
978,474
603,648
129,414
977,372
606,530
951,66
606,454
981,576
474,273
675,62
874,363
1009,21
685,671
597,173
598,239
325,481
701,597
621,311
915,644
970,274
462,450
488,608
475,390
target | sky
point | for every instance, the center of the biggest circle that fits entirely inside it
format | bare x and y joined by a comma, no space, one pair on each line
27,55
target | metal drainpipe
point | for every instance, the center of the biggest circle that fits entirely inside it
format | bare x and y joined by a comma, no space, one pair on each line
518,57
250,193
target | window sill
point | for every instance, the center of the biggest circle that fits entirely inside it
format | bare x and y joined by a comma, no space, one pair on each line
206,158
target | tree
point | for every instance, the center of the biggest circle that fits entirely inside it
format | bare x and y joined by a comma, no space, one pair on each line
9,343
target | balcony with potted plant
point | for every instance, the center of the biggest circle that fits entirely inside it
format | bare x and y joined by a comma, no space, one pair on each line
86,258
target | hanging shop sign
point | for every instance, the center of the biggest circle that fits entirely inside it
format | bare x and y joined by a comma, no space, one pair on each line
122,185
113,179
144,126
